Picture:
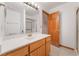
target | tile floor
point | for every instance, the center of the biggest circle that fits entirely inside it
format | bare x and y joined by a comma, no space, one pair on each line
61,51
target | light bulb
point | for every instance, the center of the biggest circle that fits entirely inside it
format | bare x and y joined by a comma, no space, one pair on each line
36,5
32,3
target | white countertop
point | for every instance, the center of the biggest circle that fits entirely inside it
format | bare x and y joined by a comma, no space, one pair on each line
11,43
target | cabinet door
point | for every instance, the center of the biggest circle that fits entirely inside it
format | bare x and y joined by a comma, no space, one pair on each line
36,45
41,51
47,48
34,53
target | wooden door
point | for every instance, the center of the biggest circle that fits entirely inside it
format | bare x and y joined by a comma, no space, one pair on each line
54,28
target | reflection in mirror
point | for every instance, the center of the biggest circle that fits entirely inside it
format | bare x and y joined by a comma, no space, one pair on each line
20,18
13,19
29,25
31,19
12,22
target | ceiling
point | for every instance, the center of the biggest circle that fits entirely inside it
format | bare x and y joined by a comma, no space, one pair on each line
46,6
49,5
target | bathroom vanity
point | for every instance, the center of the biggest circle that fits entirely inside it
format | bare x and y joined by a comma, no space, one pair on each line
16,21
37,45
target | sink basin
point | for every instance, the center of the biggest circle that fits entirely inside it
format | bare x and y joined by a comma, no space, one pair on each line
30,36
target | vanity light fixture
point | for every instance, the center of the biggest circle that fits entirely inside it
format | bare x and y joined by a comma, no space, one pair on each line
2,4
31,4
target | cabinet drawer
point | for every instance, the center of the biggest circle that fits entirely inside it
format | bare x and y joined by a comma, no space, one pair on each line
37,44
19,52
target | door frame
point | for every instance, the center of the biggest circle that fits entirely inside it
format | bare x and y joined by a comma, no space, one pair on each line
47,16
77,30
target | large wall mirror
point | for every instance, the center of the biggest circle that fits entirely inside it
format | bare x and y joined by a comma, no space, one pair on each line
17,21
14,23
31,19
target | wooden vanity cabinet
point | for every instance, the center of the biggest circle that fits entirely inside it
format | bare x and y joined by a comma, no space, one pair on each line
38,52
34,53
23,51
48,43
47,48
36,45
38,48
41,51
